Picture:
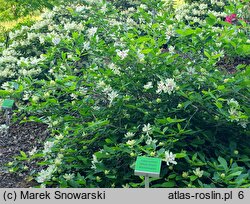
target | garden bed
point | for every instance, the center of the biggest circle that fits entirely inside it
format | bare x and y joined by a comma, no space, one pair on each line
22,137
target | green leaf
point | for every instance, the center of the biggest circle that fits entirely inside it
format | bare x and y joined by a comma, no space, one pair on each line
223,162
218,104
23,154
146,51
207,54
186,32
193,178
169,184
230,176
211,20
180,155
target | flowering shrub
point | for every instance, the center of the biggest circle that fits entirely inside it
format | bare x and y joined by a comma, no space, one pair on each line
196,12
101,80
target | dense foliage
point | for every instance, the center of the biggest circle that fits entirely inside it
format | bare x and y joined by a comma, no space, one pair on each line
13,9
114,83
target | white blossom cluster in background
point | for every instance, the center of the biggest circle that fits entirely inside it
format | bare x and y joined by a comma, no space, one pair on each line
235,113
18,59
196,11
107,90
24,57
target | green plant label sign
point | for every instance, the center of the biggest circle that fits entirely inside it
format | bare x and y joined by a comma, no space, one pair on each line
7,104
148,166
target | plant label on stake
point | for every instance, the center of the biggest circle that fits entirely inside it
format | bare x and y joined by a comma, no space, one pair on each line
7,104
148,167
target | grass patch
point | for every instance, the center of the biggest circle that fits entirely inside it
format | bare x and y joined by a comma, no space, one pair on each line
8,25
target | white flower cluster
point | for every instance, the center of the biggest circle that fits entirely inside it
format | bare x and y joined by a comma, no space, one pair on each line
114,68
122,53
196,11
108,91
68,177
18,58
149,85
235,114
45,175
94,162
92,31
166,86
47,147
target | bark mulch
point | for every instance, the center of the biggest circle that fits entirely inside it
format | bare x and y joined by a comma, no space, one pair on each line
20,137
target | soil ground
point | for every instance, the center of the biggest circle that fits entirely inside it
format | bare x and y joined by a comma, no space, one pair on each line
20,137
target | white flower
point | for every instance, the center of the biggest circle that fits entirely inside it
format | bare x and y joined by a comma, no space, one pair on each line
42,186
73,96
198,172
47,147
171,49
107,89
59,137
234,114
167,86
170,158
129,134
114,68
170,85
232,102
191,70
149,85
56,40
4,129
94,159
143,6
33,151
35,99
68,177
7,86
58,161
150,141
140,55
202,6
161,87
131,142
112,96
46,175
147,128
104,8
243,123
86,45
92,31
122,54
26,97
94,162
